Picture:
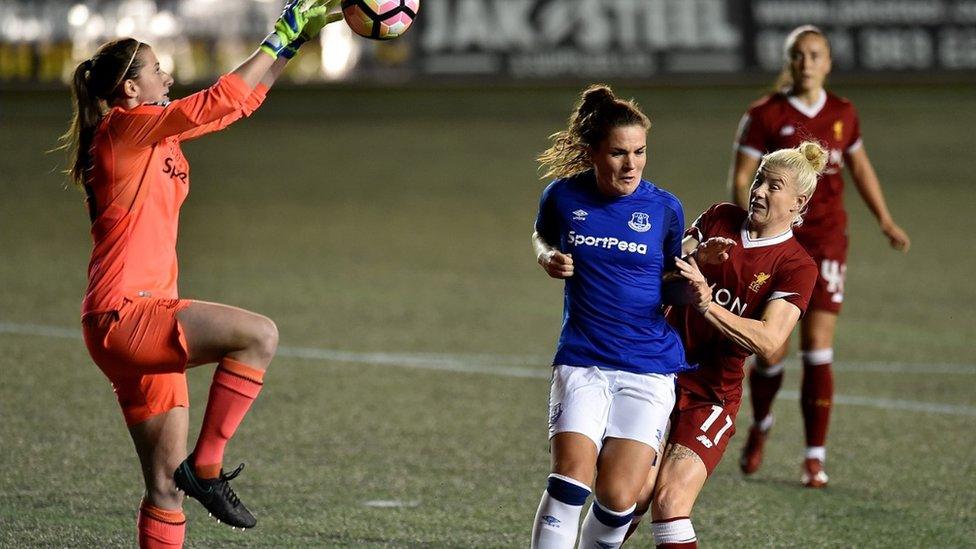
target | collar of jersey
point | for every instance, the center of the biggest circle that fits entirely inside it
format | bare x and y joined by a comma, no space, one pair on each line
809,110
760,242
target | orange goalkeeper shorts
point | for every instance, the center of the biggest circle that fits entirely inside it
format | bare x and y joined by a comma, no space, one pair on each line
143,352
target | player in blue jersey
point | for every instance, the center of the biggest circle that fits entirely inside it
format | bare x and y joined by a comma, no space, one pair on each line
610,235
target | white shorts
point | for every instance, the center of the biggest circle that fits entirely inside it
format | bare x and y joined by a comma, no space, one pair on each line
610,403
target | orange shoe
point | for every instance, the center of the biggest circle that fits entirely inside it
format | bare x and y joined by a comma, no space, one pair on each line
752,453
814,475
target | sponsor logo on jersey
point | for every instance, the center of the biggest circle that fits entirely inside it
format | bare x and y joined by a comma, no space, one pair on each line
580,215
170,168
606,242
761,279
838,130
787,130
725,298
704,440
640,222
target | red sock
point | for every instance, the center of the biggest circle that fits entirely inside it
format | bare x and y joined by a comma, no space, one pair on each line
160,528
234,388
816,394
763,386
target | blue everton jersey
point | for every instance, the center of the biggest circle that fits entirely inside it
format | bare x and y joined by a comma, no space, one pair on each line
612,314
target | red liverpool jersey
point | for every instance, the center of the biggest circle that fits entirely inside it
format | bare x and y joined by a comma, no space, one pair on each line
780,121
757,271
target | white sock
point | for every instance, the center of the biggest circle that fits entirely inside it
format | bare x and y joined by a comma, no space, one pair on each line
675,530
557,520
605,528
816,452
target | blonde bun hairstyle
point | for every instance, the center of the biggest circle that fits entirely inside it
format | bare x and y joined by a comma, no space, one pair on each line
807,161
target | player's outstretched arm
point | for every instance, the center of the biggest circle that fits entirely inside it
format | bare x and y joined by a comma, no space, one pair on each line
868,186
555,263
288,29
763,336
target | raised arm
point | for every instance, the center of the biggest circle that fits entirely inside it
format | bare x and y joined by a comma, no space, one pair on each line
868,186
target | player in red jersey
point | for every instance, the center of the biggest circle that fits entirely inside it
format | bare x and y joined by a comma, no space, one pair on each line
800,110
124,151
748,303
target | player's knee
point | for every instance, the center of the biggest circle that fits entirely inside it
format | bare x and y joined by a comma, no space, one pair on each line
670,500
264,340
616,495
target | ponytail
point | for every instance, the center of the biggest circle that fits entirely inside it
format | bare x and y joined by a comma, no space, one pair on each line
596,113
94,82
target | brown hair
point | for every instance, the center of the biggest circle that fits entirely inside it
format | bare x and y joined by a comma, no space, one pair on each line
785,78
597,112
96,81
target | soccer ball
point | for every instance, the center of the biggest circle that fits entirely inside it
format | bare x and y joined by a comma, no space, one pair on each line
380,19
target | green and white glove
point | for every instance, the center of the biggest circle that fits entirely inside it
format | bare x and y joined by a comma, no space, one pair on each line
313,27
290,25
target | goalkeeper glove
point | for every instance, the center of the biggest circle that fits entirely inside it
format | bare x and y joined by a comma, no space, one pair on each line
312,28
290,25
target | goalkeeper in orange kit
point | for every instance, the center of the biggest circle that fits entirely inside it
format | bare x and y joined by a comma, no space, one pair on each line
124,151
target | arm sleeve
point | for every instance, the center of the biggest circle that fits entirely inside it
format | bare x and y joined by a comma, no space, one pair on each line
751,138
854,140
251,104
149,124
701,226
547,220
795,284
674,235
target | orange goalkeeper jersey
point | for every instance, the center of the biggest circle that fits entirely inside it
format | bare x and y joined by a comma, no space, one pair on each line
137,183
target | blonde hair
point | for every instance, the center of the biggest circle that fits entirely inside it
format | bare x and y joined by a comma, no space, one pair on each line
785,78
807,161
597,112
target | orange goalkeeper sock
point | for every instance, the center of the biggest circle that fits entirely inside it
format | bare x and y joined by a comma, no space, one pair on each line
160,528
235,386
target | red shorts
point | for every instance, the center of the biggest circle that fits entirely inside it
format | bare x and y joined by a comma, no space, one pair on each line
830,255
143,352
703,425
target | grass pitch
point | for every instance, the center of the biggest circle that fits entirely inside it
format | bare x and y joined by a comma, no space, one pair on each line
393,226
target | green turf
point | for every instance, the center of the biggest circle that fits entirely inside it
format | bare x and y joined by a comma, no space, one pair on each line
380,221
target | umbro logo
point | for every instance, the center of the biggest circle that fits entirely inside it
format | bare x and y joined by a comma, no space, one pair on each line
551,521
787,130
580,215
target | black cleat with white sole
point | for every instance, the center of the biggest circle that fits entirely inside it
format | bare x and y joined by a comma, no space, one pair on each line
216,495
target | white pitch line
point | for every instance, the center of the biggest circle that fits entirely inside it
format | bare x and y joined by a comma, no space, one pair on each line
508,366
